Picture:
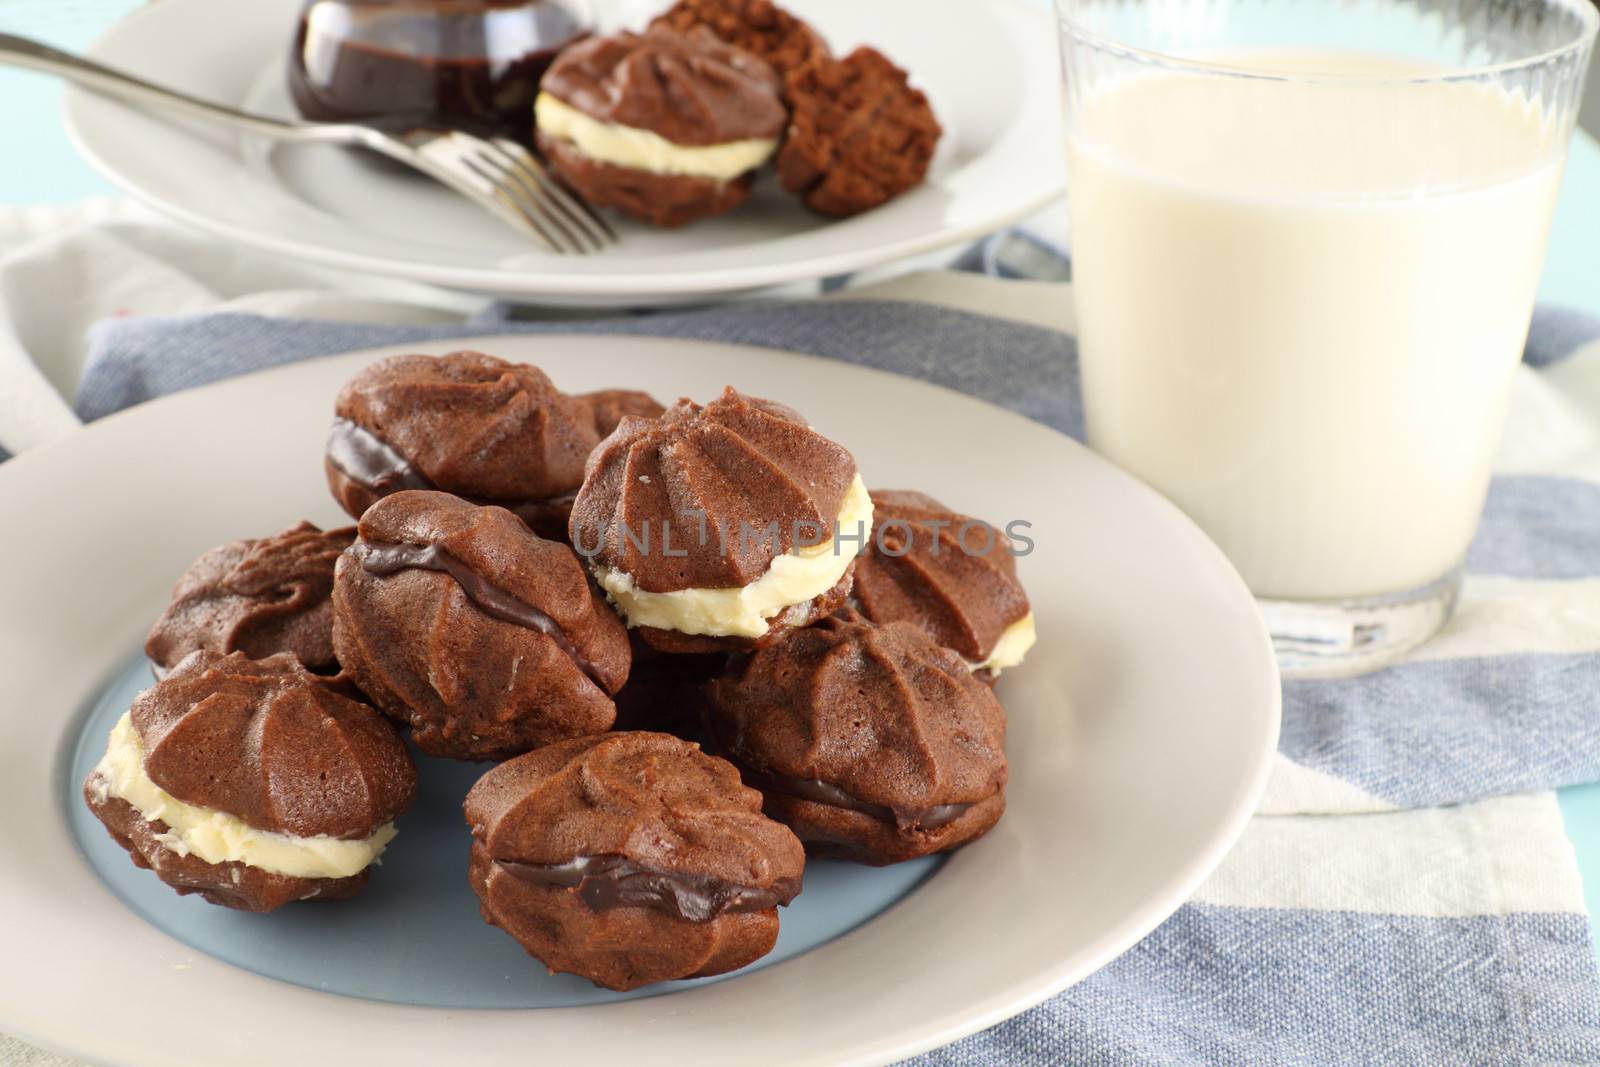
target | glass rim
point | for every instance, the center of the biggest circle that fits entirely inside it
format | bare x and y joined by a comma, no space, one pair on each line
1587,13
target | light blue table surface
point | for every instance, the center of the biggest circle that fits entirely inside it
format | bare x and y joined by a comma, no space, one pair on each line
40,167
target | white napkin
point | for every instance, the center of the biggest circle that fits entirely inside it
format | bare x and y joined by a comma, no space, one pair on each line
64,268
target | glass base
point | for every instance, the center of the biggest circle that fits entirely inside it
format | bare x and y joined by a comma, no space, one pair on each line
1334,638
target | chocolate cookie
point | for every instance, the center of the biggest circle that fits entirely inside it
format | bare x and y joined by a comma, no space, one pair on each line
950,574
259,597
629,859
489,431
870,742
859,135
760,27
713,527
252,782
665,200
487,639
611,406
665,126
666,691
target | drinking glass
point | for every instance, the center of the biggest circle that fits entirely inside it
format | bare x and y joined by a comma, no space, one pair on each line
1306,240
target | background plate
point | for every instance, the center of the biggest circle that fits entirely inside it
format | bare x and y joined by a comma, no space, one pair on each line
1140,734
989,67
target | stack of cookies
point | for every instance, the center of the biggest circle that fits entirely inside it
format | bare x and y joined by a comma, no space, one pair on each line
697,647
673,124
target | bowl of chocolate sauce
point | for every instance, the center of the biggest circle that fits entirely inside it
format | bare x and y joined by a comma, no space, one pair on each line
468,64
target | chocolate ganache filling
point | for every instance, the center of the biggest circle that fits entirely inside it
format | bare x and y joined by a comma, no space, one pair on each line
384,560
607,882
930,818
370,461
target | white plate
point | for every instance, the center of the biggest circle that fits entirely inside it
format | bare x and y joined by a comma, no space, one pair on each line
988,65
1141,731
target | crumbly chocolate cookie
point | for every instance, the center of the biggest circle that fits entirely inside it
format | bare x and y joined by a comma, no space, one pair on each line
252,782
611,406
950,574
665,126
713,526
628,859
466,423
870,742
760,27
259,597
859,134
487,639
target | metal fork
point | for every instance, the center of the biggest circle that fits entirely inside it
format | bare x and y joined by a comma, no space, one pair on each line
496,173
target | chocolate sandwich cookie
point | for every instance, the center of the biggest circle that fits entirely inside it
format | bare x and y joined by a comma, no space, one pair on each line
859,134
950,574
870,742
665,126
259,597
489,431
718,526
611,406
252,782
666,691
487,639
629,859
759,27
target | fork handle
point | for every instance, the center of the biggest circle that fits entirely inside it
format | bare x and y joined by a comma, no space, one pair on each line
34,55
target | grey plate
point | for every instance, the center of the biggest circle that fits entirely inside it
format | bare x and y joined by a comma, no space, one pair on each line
1140,735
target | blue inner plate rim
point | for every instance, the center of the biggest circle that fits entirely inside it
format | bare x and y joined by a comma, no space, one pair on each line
414,936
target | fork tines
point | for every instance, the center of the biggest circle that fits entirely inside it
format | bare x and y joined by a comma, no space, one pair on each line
511,181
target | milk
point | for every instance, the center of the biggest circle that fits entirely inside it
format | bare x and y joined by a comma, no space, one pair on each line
1300,308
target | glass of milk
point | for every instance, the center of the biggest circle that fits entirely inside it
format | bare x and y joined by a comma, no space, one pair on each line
1306,237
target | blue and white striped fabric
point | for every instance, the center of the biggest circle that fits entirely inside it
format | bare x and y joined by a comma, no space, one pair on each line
1407,894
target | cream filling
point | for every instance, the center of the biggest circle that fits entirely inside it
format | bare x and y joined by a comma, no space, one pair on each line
1014,643
217,837
796,578
628,146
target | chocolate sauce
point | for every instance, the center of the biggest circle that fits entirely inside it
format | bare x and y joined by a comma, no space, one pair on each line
455,63
930,818
491,599
370,462
607,882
